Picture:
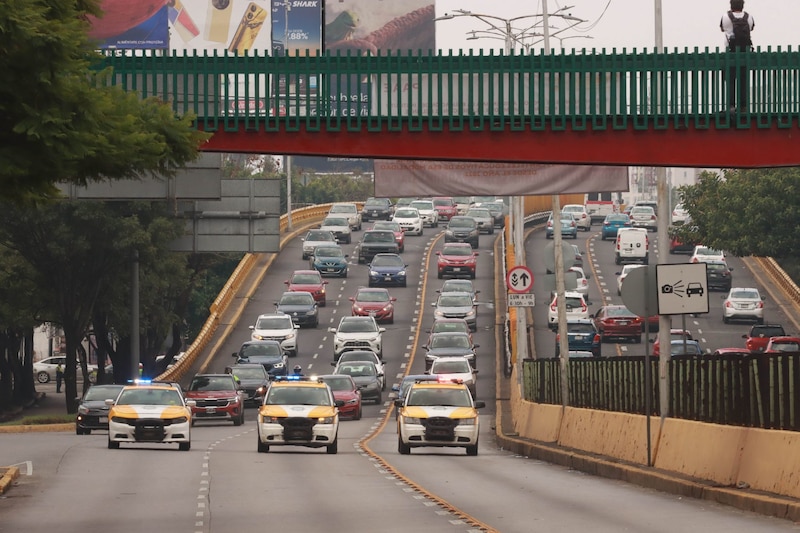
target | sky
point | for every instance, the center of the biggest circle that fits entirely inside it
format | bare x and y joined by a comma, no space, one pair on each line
625,24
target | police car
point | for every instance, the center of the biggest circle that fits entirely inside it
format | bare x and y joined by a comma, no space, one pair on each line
441,414
299,411
152,413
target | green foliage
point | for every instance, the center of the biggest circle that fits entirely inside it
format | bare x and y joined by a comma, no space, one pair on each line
746,212
59,122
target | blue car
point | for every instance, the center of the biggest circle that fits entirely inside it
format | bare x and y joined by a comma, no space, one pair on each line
387,269
612,223
582,336
569,228
329,260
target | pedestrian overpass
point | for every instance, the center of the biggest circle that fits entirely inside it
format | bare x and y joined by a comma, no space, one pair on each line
620,108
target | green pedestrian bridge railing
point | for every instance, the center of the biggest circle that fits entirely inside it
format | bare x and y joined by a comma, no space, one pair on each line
393,91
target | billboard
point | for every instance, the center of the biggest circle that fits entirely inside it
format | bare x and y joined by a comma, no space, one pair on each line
395,177
131,24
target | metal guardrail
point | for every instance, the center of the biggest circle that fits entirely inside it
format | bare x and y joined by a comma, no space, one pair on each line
395,91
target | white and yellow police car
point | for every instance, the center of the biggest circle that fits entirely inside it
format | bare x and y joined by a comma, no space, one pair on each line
149,412
299,412
441,414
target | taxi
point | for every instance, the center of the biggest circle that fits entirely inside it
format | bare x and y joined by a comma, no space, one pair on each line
440,414
152,413
299,411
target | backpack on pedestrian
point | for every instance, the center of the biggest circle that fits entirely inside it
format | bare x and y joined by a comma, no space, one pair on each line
741,32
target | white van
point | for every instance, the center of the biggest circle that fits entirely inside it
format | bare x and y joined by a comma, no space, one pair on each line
633,246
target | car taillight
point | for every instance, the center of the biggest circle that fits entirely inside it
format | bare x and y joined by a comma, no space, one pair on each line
652,217
557,337
606,223
553,306
760,305
694,260
596,337
728,304
583,306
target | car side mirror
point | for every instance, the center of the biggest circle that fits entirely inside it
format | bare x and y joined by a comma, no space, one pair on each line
475,371
235,354
333,363
398,402
352,299
438,253
480,405
395,388
476,345
332,330
744,336
381,330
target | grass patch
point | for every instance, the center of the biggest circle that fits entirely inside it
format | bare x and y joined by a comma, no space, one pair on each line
33,420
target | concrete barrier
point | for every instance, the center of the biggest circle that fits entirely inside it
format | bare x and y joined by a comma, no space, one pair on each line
770,461
535,421
619,435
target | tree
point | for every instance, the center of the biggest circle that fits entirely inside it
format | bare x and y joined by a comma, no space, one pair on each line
746,212
60,121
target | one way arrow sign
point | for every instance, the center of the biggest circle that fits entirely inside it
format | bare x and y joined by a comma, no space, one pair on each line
519,280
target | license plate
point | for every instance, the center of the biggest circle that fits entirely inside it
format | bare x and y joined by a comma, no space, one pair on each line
211,410
457,269
623,322
388,278
374,213
578,337
103,420
330,270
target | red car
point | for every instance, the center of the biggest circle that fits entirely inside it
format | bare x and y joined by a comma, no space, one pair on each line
345,389
446,207
457,259
783,344
394,227
674,335
374,302
757,338
308,281
617,321
217,397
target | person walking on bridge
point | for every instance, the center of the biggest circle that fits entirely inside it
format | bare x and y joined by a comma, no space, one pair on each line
737,24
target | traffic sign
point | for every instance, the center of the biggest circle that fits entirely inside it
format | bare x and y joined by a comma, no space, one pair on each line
519,279
682,288
521,300
639,292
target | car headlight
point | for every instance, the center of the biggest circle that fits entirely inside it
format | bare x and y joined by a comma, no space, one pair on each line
471,313
289,336
448,233
326,420
373,273
411,420
358,309
258,337
269,419
351,401
235,399
401,273
437,313
467,421
278,365
387,307
83,410
180,420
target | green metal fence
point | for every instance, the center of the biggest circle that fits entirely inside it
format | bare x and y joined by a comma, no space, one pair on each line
584,90
758,390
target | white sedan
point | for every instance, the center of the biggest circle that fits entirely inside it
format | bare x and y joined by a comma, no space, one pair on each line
743,303
409,220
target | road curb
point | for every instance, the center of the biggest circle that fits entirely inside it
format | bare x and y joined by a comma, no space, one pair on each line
9,475
38,428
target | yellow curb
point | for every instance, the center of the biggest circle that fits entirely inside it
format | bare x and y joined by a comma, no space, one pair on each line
10,474
38,428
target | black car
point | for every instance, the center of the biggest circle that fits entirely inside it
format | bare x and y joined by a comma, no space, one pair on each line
301,306
462,229
366,376
718,276
92,410
253,379
375,242
498,211
267,353
376,209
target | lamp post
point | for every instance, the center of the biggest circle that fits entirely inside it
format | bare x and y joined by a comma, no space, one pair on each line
506,29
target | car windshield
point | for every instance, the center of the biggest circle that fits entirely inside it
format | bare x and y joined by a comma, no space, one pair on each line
461,223
372,296
703,250
767,331
374,203
339,383
457,250
642,211
572,209
334,222
573,303
745,294
619,311
479,213
786,346
145,396
446,327
357,370
422,205
580,328
343,208
450,341
358,356
256,372
357,326
328,251
317,235
685,348
387,260
297,298
447,300
716,266
442,396
443,202
451,367
617,218
277,322
306,279
268,348
378,236
102,393
297,396
212,383
457,285
407,213
390,226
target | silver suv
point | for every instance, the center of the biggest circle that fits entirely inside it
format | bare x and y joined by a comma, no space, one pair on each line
357,333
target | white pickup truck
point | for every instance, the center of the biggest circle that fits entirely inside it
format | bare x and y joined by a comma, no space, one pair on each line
598,209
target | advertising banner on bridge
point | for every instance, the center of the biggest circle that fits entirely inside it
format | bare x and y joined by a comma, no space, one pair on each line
395,177
131,25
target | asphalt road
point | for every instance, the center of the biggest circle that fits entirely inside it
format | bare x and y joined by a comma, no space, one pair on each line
74,483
